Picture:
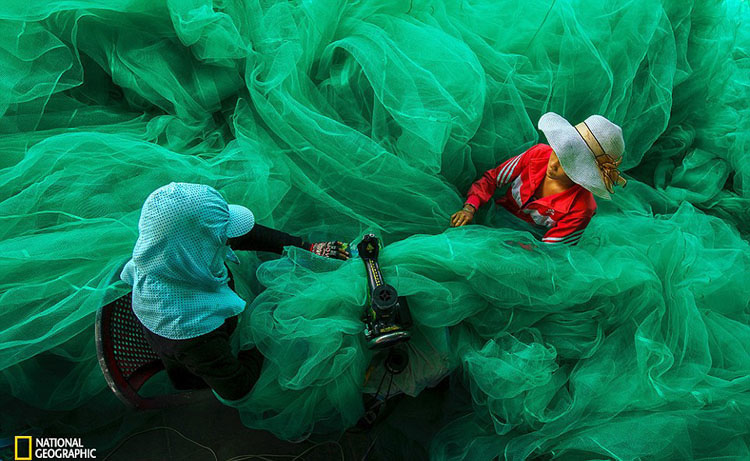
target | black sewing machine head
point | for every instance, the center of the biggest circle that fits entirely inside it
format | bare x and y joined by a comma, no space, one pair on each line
386,317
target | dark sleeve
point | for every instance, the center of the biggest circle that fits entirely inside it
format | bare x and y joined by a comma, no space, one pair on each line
262,238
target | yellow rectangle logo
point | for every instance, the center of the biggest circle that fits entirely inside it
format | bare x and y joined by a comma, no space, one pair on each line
20,457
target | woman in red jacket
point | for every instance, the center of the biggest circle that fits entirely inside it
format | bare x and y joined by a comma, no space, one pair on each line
553,186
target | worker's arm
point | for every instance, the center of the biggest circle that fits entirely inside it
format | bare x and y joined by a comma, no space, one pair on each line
483,189
262,238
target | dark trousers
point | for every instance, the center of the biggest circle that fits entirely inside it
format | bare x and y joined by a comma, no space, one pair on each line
207,360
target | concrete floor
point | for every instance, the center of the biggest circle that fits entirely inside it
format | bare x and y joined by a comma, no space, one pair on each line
164,436
174,434
154,436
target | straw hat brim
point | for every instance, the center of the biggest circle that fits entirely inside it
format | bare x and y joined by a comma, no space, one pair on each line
576,158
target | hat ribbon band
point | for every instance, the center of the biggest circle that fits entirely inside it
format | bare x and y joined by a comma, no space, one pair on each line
590,139
607,165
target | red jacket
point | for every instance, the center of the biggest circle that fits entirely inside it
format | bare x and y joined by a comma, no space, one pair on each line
566,214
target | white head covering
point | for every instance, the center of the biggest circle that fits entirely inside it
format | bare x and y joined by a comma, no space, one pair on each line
589,152
177,271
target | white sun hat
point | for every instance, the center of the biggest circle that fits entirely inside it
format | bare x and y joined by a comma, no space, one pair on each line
589,152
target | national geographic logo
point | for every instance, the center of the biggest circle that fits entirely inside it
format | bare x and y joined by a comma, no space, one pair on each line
28,448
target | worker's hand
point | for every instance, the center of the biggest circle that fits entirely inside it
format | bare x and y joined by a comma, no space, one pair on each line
336,250
463,216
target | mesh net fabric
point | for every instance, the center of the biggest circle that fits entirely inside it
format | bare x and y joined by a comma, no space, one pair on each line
331,118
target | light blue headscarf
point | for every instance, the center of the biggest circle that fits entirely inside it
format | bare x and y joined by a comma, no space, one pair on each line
179,280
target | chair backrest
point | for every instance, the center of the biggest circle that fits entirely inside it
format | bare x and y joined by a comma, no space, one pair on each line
126,358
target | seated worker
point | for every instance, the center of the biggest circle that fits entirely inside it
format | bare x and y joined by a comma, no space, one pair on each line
179,280
552,185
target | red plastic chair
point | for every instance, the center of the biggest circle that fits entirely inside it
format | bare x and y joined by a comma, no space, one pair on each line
127,360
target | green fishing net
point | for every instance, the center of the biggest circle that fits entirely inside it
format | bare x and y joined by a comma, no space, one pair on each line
330,119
